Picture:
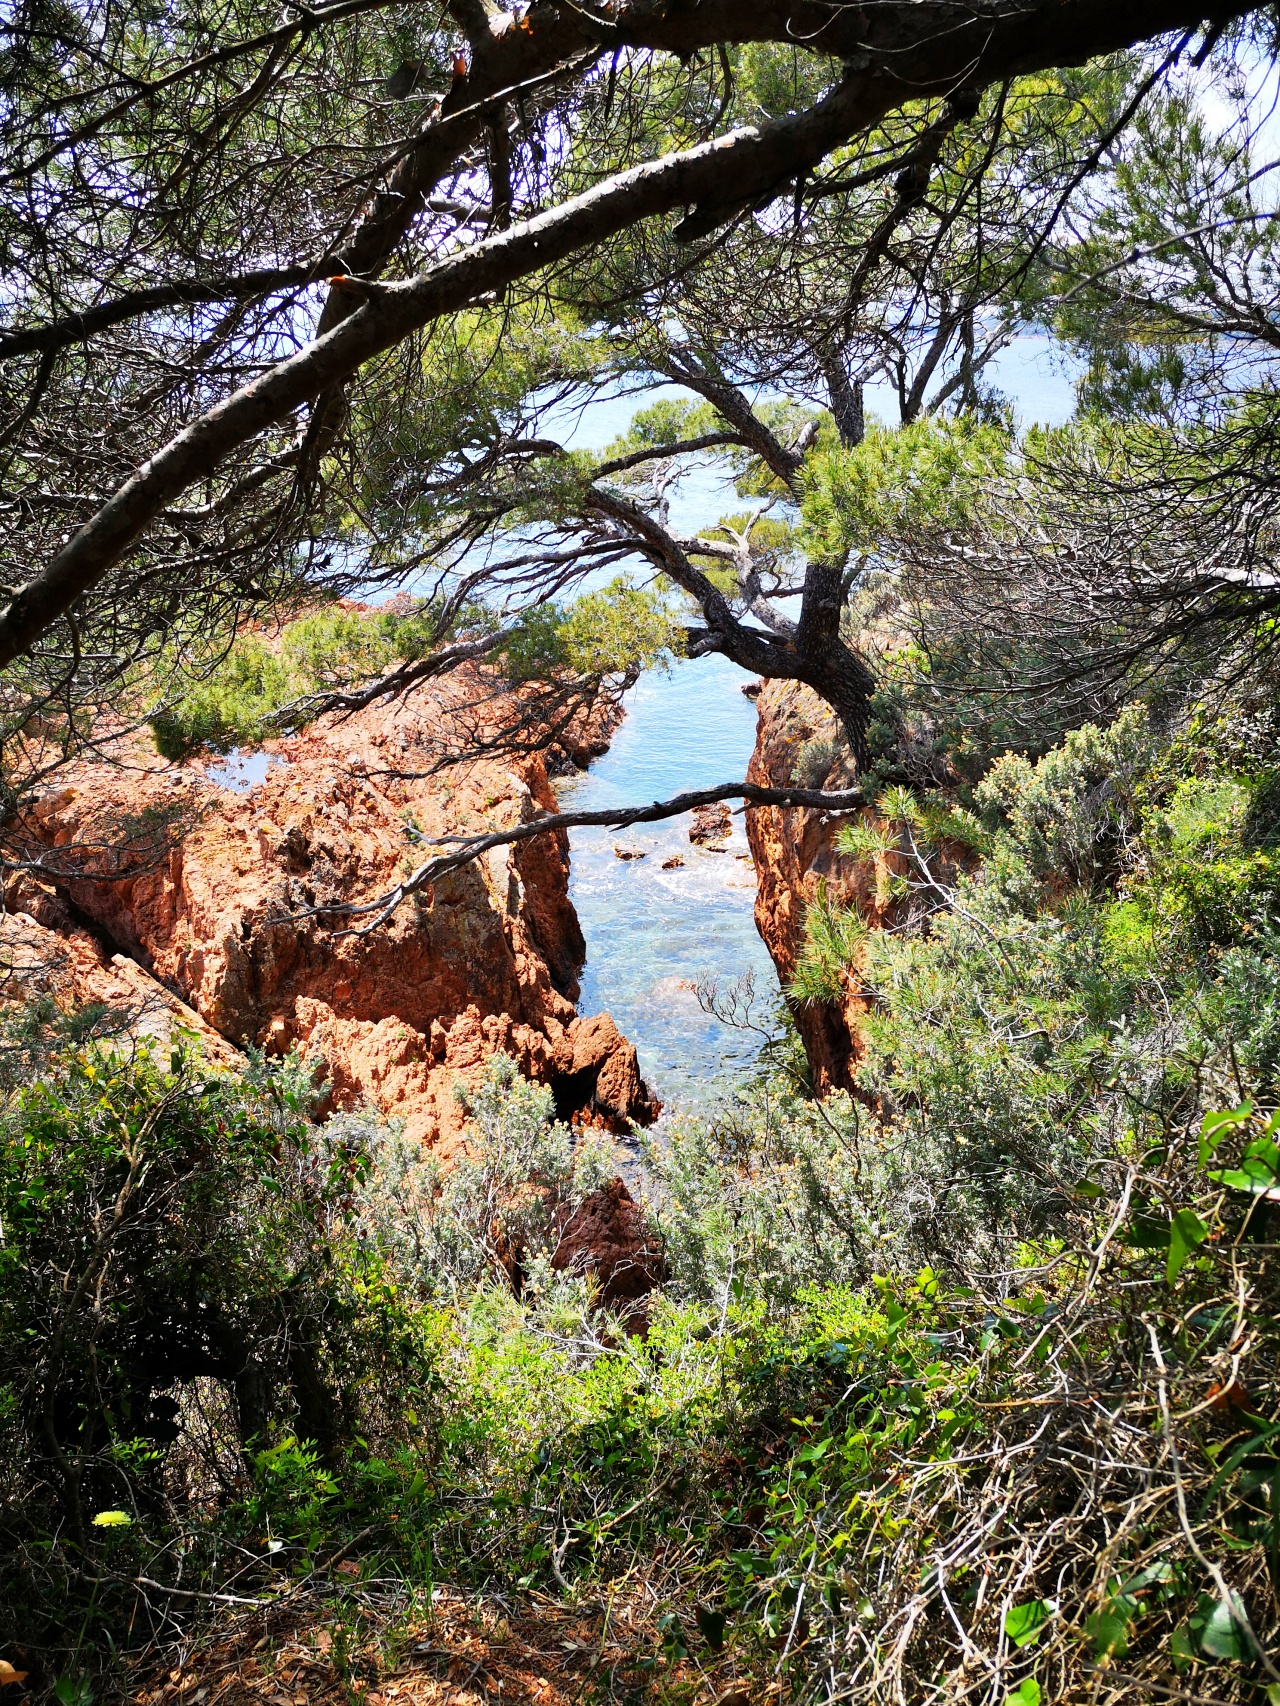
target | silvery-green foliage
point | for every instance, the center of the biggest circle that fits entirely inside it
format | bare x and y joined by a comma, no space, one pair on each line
1246,1003
595,1163
398,1189
814,760
1071,813
495,1211
772,1192
559,1306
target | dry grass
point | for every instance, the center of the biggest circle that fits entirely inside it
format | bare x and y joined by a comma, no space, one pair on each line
382,1647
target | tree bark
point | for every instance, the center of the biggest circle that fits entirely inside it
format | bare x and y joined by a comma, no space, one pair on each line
846,400
892,53
825,663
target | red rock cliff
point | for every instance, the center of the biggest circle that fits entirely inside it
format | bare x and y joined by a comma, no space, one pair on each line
160,876
798,739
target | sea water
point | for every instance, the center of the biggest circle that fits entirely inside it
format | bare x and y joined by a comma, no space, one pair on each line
651,933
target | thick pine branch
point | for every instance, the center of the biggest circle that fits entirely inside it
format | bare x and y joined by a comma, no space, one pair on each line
911,51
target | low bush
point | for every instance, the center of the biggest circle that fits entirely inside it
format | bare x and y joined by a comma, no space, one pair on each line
170,1237
961,1387
255,688
253,685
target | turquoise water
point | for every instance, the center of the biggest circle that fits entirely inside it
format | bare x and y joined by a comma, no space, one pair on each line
652,933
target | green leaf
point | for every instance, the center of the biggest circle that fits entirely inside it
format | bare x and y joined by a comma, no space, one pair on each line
711,1627
672,1637
1221,1636
1148,1232
1027,1693
1160,1571
1214,1127
817,1450
1186,1230
1024,1624
1182,1648
1258,1170
1109,1632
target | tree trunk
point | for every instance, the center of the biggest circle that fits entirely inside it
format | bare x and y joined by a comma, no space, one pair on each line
846,401
825,663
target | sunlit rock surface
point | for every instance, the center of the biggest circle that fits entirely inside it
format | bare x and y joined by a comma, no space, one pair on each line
207,895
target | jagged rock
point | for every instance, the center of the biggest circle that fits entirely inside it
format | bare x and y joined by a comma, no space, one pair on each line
710,823
606,1074
60,960
213,894
607,1238
627,853
674,863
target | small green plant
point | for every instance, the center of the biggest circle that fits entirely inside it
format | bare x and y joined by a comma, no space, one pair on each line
834,936
814,760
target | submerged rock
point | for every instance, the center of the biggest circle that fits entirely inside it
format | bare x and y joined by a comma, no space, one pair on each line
710,824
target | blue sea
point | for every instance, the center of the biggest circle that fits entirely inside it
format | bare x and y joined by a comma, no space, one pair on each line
652,933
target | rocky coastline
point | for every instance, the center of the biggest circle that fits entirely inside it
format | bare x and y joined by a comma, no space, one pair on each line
191,908
150,884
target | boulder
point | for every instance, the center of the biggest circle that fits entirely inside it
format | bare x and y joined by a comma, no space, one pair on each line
710,824
607,1239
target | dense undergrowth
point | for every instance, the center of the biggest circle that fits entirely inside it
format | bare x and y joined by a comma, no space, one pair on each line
964,1388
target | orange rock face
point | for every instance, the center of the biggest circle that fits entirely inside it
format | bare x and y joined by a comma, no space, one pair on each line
70,965
209,896
794,851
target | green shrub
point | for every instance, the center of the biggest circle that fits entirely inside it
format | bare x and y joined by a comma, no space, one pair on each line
166,1230
254,689
1072,813
494,1214
620,630
834,935
814,760
242,698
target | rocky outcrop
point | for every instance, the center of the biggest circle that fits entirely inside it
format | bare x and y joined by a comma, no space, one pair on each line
217,900
72,967
799,738
710,825
607,1239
